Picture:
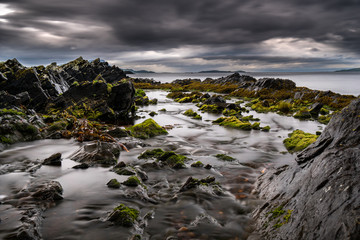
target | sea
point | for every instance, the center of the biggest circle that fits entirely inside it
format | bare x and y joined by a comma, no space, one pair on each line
340,82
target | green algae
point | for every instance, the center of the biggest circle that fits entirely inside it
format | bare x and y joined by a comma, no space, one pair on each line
277,215
147,129
12,112
211,108
154,153
170,158
299,140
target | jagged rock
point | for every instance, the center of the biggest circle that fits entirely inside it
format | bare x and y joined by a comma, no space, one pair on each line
315,109
51,191
53,160
215,100
183,82
316,197
274,83
81,166
235,78
97,152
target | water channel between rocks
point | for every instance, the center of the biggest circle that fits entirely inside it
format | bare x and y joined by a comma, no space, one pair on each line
197,213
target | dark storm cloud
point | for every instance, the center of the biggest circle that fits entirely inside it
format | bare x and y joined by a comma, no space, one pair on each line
69,27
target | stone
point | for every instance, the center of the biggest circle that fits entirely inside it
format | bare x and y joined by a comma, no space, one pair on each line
51,191
97,152
53,160
275,83
316,197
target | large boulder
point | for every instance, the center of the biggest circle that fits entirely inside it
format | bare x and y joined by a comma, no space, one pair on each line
275,83
235,78
316,197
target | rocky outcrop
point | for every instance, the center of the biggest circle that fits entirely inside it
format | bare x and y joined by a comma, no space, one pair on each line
316,197
235,78
183,82
274,83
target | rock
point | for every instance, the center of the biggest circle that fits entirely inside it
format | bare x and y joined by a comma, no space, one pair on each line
49,192
184,82
124,216
275,83
215,100
81,166
315,109
53,160
132,181
235,78
118,132
316,197
97,152
147,129
193,183
113,183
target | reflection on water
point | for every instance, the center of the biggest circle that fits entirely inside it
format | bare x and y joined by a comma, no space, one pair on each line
199,213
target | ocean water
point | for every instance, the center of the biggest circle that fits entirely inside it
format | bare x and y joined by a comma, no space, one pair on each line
339,82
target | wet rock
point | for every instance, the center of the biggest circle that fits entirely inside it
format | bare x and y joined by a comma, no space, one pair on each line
123,216
235,78
113,183
215,100
53,160
118,132
97,152
132,181
147,129
81,166
208,166
49,192
193,183
316,197
315,109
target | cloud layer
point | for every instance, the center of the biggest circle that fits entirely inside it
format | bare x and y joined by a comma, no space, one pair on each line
163,35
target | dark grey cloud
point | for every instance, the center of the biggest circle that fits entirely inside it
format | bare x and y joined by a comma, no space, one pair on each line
38,31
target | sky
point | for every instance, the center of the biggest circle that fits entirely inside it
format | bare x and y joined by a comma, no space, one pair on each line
184,35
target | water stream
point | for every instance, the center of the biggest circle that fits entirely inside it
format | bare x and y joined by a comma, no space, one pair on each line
195,214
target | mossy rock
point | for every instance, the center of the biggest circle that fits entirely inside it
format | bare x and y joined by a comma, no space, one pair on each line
192,114
266,128
132,181
113,183
303,113
147,129
124,171
124,216
233,122
153,113
299,140
154,153
211,108
197,164
224,157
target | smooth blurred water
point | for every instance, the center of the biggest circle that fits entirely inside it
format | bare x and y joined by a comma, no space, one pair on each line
339,82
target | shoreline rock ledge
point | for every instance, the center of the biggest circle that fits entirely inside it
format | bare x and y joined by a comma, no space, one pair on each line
318,196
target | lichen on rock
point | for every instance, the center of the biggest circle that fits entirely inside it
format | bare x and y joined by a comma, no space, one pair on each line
147,129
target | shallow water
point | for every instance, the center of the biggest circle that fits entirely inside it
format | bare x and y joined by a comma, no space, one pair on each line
193,214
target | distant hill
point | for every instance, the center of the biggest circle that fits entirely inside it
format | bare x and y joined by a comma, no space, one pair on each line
218,71
131,71
349,70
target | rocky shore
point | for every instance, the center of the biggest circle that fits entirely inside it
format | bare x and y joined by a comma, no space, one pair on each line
96,105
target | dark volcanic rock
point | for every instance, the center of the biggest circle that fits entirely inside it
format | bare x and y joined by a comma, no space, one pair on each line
319,196
275,83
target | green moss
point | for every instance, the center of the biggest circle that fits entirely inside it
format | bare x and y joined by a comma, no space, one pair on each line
255,126
147,129
197,164
266,128
284,107
140,93
4,139
132,181
231,112
124,216
324,119
75,83
154,153
210,108
109,87
26,128
124,171
299,140
59,125
277,215
113,183
249,118
303,113
225,157
191,113
6,111
233,122
153,113
162,110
